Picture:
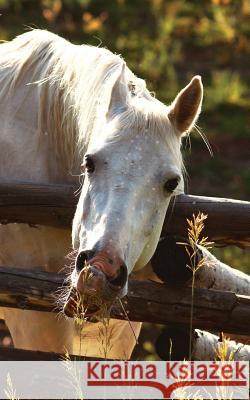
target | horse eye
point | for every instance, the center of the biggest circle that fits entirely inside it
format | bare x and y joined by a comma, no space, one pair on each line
171,184
89,164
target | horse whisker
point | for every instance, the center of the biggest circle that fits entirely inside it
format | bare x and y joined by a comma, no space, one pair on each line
205,140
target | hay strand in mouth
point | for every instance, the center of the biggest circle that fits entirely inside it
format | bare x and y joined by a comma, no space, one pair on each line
127,318
87,303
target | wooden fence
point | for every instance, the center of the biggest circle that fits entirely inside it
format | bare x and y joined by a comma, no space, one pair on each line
53,205
146,301
228,220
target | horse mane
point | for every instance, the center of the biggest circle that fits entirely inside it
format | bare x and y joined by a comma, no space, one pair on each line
74,84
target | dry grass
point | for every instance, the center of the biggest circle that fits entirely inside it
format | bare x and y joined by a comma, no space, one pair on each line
195,239
10,392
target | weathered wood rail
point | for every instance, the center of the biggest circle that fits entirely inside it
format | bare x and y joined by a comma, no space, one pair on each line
146,301
13,354
170,262
228,220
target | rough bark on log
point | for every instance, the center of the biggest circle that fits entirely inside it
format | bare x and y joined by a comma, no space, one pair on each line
146,301
170,265
217,275
173,343
228,220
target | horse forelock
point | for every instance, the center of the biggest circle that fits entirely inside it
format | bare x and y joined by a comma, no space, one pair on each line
74,85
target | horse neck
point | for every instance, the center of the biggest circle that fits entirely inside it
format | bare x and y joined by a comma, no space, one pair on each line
27,148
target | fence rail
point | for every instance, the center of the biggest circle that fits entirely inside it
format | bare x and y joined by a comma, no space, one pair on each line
228,220
146,301
12,354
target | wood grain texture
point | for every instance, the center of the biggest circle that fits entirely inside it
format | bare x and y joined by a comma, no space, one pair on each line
54,205
170,261
146,301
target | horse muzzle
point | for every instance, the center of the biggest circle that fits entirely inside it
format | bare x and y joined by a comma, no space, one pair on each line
100,280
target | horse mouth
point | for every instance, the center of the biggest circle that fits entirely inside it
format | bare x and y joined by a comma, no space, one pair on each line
78,306
94,292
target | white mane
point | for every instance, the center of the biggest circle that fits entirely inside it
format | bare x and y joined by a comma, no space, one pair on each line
72,82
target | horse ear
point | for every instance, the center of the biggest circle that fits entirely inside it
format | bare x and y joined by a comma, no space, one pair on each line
119,92
186,107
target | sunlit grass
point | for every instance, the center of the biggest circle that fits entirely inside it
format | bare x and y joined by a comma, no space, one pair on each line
195,239
10,392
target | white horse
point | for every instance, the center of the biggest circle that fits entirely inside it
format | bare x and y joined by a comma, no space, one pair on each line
62,106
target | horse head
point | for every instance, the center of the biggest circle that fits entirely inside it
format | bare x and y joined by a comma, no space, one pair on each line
132,167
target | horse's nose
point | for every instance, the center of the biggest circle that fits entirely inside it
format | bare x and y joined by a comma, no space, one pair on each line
120,278
111,264
103,267
82,258
102,277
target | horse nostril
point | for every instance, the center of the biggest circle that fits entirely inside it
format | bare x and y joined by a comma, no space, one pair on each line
121,278
82,258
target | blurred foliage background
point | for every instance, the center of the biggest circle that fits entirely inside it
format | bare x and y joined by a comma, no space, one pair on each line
166,42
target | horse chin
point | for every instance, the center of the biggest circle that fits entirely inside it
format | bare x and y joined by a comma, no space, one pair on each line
148,250
142,262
